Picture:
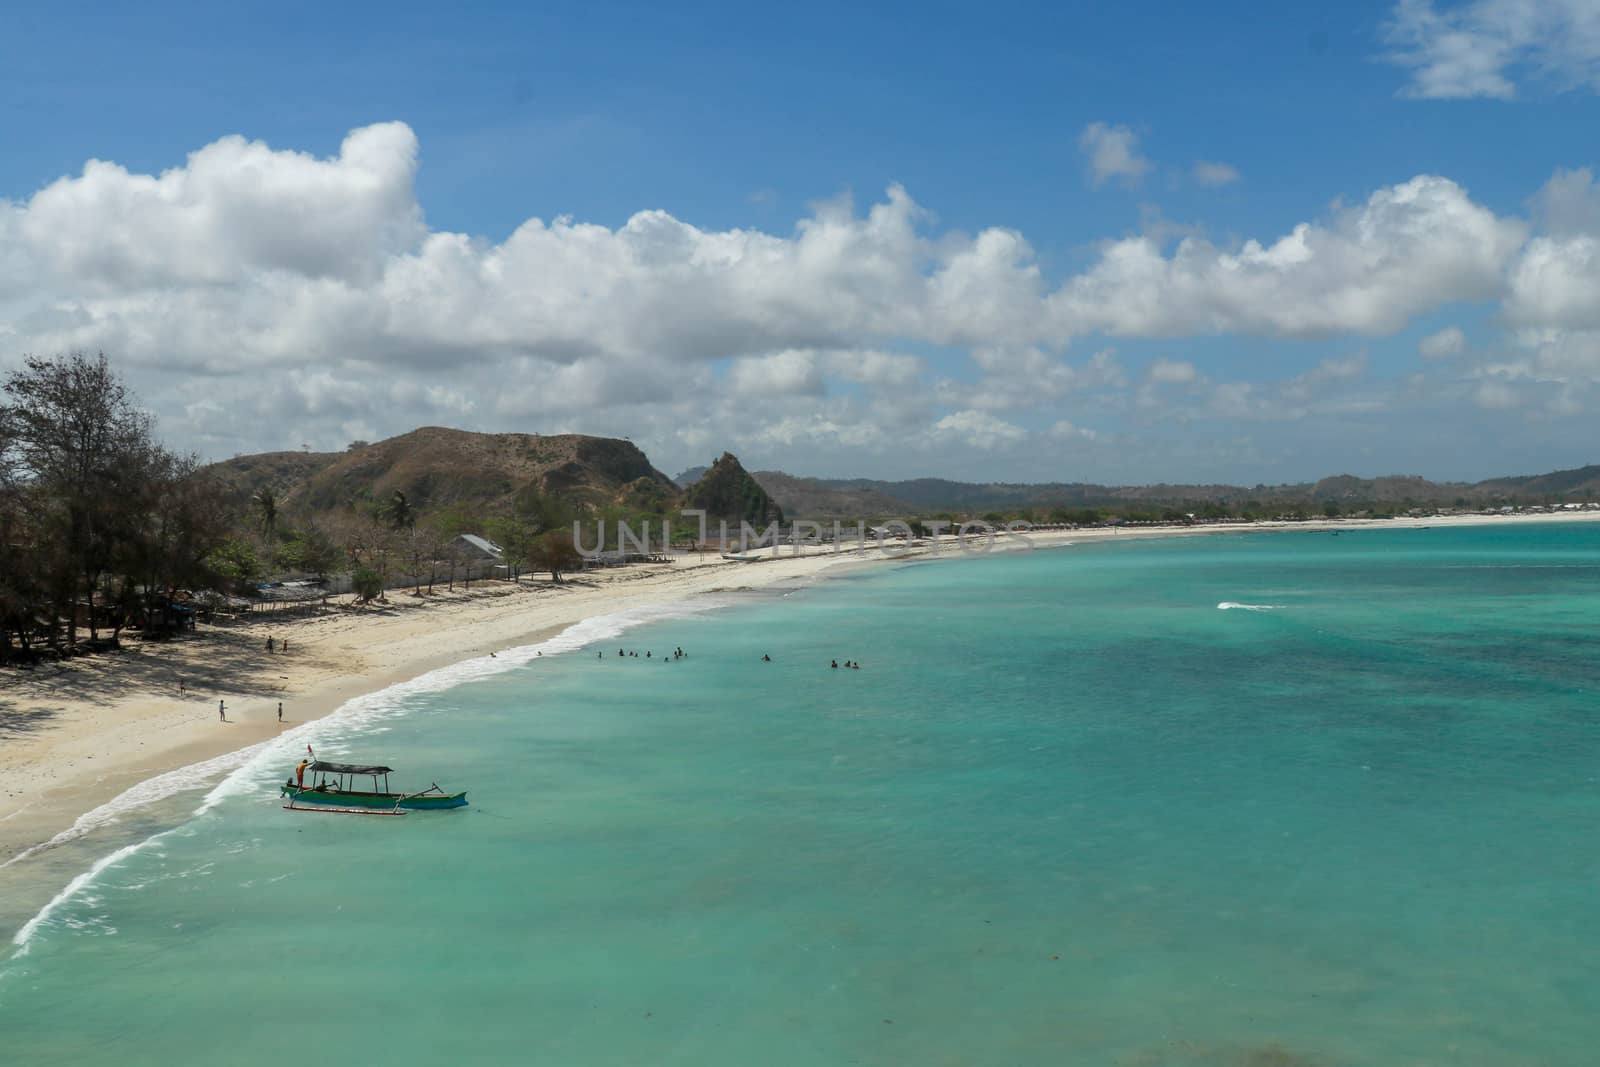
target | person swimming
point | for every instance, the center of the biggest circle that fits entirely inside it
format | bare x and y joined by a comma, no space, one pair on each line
766,658
834,664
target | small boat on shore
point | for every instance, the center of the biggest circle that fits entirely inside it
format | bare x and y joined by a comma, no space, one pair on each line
334,790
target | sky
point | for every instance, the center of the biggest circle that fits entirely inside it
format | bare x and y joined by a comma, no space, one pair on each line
1004,242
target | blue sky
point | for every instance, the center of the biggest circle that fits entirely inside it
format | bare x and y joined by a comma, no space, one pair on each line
738,118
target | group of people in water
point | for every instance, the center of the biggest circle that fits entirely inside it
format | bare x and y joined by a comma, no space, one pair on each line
677,653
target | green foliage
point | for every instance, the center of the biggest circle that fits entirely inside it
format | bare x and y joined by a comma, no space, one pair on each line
236,561
397,512
367,584
728,492
555,552
310,551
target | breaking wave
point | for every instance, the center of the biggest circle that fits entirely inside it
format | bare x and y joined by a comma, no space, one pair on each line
1231,605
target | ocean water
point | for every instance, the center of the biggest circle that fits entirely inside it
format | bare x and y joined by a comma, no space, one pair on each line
1264,800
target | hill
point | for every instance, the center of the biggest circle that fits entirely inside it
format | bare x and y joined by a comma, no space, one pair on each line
685,479
437,467
727,492
864,497
1576,482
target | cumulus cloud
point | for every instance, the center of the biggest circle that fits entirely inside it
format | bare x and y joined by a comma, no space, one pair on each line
236,206
789,373
979,429
1555,282
1485,47
1569,203
1409,248
1214,174
267,297
1448,342
1113,153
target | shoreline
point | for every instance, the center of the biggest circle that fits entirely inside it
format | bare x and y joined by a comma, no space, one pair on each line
91,730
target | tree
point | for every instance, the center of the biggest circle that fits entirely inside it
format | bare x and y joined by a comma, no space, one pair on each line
264,502
235,559
398,512
434,543
554,551
86,449
369,543
367,583
515,536
448,525
94,513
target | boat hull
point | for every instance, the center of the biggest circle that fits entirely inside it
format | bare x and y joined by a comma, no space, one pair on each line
376,801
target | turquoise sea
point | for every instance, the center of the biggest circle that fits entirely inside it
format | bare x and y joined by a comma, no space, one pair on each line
1262,800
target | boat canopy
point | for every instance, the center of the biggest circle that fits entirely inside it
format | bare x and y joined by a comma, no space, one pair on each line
348,768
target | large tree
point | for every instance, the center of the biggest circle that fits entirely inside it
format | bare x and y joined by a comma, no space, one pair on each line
554,551
84,445
93,511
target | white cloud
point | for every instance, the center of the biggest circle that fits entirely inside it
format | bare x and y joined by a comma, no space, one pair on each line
1113,152
236,206
979,429
791,373
1409,248
1569,203
263,297
1448,342
1028,377
1063,430
1555,283
1172,372
1316,381
1485,47
873,368
1215,173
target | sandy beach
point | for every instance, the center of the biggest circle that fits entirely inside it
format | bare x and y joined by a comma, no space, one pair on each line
76,735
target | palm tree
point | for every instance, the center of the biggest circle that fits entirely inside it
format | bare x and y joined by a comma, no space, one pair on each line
265,504
399,512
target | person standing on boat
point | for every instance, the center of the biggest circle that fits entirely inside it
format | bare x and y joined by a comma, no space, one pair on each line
300,774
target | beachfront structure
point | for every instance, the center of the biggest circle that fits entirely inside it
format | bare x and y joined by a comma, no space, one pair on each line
475,549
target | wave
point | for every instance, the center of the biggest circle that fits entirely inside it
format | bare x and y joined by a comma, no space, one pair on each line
1231,605
241,768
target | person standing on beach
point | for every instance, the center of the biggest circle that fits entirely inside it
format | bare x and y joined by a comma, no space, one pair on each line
283,646
280,711
181,690
270,646
222,711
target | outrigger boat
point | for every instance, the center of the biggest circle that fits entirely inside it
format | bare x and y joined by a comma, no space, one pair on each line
334,791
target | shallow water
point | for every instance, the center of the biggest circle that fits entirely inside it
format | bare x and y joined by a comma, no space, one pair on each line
1071,810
